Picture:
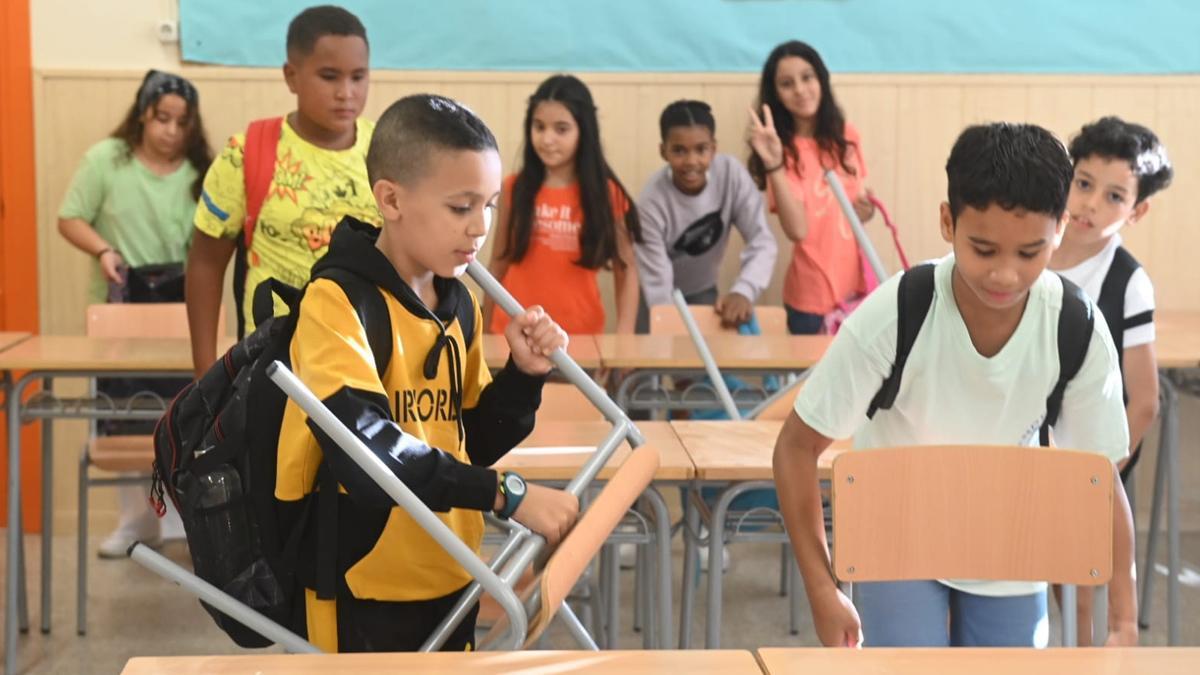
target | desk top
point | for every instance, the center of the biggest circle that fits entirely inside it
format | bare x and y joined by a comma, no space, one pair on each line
1177,340
78,352
1111,661
740,450
771,352
10,338
674,462
582,348
454,663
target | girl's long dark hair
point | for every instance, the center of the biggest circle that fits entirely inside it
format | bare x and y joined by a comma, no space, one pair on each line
597,237
195,146
830,132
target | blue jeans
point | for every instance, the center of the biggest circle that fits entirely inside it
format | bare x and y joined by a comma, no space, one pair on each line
803,323
931,614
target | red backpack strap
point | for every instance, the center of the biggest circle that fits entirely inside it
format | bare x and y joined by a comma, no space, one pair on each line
258,168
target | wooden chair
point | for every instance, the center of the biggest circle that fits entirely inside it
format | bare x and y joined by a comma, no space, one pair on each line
121,454
569,561
975,512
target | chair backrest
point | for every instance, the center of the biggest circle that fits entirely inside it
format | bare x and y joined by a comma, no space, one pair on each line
133,320
973,512
783,405
562,402
577,550
665,320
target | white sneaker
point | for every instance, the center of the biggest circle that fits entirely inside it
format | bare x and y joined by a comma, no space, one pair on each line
143,528
627,553
704,553
704,559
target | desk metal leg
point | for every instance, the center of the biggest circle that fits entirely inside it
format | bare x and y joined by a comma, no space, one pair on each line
23,589
716,571
691,561
47,513
716,547
662,524
14,581
1171,447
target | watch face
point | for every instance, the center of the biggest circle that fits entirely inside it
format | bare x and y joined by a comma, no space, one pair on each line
514,484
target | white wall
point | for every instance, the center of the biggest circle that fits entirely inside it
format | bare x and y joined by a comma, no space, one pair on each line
102,34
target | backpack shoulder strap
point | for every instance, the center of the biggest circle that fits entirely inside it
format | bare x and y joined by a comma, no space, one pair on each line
1112,295
372,312
258,168
1076,321
913,299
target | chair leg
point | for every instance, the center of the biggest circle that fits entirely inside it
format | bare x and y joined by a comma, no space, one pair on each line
793,574
81,546
784,578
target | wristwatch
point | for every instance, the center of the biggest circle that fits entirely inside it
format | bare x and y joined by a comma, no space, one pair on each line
512,486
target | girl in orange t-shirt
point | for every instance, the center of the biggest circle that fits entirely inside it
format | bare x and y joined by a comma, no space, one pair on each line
558,223
800,134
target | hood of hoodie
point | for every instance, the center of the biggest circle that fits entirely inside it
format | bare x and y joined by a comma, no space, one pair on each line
352,248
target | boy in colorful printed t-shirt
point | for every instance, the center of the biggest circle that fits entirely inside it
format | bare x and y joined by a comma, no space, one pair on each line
319,176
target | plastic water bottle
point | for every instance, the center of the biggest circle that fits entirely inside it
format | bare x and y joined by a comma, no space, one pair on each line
224,525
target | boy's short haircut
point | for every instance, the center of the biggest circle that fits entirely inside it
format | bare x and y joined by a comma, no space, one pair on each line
316,22
413,128
1114,138
1014,166
686,113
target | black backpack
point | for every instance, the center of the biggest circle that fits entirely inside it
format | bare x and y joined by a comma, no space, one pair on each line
1112,305
215,457
915,295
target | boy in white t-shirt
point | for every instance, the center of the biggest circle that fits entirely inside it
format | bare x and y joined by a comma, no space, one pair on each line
1118,167
979,371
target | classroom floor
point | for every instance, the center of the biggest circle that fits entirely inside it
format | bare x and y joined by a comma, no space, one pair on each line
134,613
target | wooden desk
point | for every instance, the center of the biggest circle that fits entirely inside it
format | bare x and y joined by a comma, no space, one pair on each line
1176,348
11,338
79,353
740,450
731,352
47,357
674,461
1177,339
735,454
443,663
582,348
1094,661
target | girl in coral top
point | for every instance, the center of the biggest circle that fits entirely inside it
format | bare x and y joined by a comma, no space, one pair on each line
801,132
564,216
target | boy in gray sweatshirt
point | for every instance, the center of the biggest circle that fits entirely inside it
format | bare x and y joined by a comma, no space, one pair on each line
687,212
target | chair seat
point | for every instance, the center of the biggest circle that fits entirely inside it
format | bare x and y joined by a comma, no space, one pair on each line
122,453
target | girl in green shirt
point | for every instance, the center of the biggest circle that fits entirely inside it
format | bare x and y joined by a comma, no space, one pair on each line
130,204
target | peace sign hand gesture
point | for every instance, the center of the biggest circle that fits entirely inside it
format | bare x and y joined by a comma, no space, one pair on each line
764,139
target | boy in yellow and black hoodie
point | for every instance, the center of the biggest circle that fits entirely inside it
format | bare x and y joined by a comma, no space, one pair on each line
435,417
